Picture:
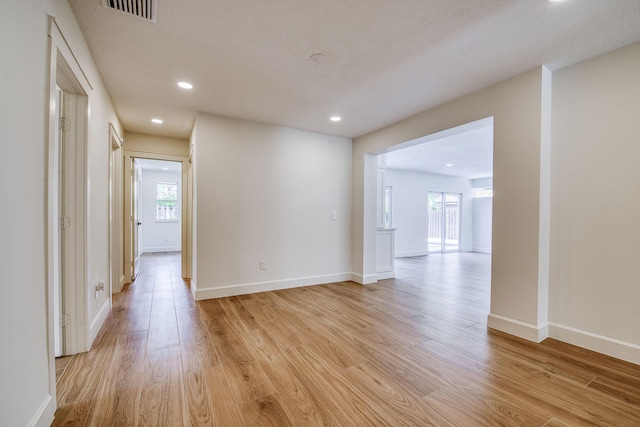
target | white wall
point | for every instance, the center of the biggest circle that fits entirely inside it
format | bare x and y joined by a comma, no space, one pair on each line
158,236
482,218
23,307
482,214
595,241
142,143
410,210
267,193
26,367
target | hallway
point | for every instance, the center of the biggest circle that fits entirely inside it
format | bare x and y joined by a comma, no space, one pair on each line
407,351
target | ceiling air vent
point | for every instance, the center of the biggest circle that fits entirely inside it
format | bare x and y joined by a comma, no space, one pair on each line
145,9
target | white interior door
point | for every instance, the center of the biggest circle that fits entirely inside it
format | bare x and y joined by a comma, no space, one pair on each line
436,225
67,213
135,219
57,233
452,210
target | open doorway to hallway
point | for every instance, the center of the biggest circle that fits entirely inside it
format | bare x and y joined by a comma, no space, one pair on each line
157,209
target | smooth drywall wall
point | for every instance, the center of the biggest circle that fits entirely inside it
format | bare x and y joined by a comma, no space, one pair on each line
27,365
267,193
157,235
24,365
594,284
482,225
482,217
516,107
411,213
154,144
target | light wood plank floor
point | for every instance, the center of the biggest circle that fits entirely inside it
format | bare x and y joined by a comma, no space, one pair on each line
410,351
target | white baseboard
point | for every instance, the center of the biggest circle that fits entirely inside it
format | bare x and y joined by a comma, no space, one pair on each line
527,331
386,275
193,287
407,254
481,250
364,280
98,321
274,285
45,413
120,285
599,343
151,249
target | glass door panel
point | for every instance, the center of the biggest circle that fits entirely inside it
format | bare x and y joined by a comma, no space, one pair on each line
435,222
444,221
452,204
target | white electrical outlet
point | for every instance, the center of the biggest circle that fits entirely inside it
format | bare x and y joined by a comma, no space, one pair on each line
334,215
263,264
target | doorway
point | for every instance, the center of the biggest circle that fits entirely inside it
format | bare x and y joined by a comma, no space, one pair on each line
67,195
434,208
157,209
444,222
159,206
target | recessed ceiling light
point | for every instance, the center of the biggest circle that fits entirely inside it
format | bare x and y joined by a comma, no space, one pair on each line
165,169
449,165
157,121
336,118
185,85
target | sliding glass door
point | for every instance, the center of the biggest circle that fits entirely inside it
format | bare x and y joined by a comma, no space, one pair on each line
444,221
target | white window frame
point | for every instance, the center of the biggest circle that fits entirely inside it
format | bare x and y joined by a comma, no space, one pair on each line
177,202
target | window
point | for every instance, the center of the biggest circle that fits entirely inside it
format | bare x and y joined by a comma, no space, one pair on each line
482,193
388,191
166,201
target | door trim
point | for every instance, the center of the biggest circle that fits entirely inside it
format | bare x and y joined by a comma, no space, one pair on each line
116,267
65,72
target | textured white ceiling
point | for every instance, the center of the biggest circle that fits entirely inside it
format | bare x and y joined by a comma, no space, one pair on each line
386,60
470,152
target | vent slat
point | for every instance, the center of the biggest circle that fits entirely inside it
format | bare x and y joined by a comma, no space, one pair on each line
145,9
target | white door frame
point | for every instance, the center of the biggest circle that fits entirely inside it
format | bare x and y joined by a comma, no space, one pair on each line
186,201
65,72
116,210
136,186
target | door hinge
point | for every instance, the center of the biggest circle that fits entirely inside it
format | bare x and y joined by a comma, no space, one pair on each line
65,222
65,319
65,124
